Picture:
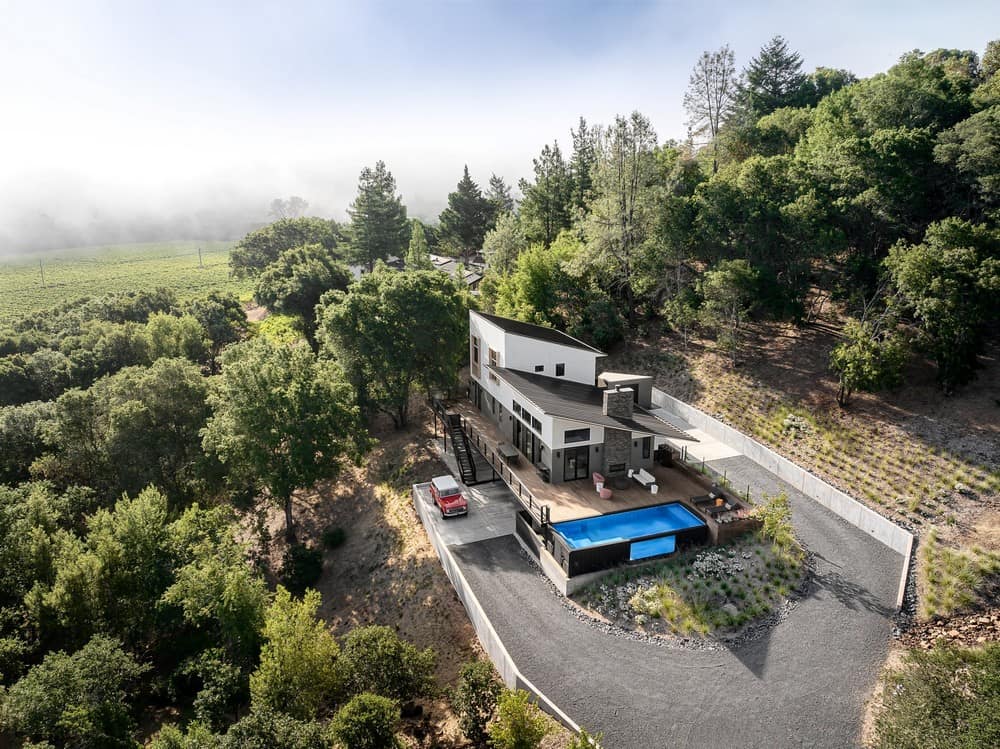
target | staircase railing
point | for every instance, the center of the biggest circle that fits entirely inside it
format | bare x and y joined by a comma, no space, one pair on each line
537,509
471,437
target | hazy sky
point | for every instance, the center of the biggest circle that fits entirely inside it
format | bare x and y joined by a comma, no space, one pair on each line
128,111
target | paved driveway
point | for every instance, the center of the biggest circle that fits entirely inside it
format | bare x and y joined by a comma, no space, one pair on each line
803,684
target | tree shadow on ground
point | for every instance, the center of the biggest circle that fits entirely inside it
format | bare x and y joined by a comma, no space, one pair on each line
850,594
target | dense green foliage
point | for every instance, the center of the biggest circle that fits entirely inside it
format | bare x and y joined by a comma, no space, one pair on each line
258,249
298,672
418,253
946,698
367,721
393,331
377,661
468,215
519,723
137,427
475,699
951,284
869,359
800,186
294,283
42,355
282,420
77,700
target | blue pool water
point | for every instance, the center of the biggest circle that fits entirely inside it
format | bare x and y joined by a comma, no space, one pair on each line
622,526
654,547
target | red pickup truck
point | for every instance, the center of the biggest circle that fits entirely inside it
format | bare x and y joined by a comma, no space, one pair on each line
448,497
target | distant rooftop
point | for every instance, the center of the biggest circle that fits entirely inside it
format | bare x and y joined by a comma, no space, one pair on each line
539,332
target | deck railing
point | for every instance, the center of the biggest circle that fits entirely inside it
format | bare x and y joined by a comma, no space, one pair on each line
529,501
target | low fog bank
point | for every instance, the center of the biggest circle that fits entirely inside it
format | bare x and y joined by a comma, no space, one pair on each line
44,231
58,214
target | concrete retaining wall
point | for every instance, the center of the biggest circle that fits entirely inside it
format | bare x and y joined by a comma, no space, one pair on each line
850,509
487,635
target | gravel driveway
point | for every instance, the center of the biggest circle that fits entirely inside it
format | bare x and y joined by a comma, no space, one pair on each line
802,684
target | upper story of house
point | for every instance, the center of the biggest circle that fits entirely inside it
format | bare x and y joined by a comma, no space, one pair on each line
511,344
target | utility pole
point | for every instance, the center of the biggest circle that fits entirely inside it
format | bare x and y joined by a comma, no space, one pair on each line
200,264
42,271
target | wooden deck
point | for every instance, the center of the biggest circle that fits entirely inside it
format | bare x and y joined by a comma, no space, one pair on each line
578,499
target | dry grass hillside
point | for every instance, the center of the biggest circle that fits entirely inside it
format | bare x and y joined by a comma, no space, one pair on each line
929,462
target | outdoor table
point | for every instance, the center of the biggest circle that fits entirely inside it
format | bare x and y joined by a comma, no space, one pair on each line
508,452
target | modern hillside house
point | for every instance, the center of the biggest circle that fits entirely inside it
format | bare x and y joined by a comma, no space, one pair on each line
549,396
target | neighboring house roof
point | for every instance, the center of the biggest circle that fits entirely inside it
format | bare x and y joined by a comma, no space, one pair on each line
585,403
472,273
539,332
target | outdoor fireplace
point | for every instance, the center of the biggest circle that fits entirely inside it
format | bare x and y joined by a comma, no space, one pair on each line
615,475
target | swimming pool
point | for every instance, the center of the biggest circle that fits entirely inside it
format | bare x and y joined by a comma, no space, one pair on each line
646,523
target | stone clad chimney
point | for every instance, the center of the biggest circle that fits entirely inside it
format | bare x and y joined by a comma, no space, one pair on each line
618,402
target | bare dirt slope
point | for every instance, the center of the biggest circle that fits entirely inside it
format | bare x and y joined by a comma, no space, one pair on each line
386,572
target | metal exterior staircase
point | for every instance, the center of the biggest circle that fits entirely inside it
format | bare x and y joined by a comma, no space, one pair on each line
463,450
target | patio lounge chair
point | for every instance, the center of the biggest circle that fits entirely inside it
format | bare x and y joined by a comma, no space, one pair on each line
642,476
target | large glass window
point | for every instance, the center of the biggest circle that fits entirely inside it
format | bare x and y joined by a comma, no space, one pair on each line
647,446
494,359
576,435
560,370
475,350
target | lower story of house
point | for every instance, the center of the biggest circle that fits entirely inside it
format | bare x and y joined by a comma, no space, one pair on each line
585,449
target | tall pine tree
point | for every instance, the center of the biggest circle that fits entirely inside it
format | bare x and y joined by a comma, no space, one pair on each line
466,218
545,207
499,196
772,80
418,256
378,218
581,165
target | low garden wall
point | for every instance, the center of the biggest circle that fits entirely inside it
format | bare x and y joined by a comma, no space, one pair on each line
855,513
829,496
485,632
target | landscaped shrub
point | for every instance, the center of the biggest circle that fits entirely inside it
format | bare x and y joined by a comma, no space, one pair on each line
519,723
475,699
374,659
776,519
947,697
301,567
367,721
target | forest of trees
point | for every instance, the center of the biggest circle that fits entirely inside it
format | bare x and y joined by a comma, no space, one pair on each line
136,428
791,188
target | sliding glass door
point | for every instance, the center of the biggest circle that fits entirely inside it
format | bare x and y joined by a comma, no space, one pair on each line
576,463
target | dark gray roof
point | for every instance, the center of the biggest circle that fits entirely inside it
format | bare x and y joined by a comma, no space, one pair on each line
585,403
526,329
